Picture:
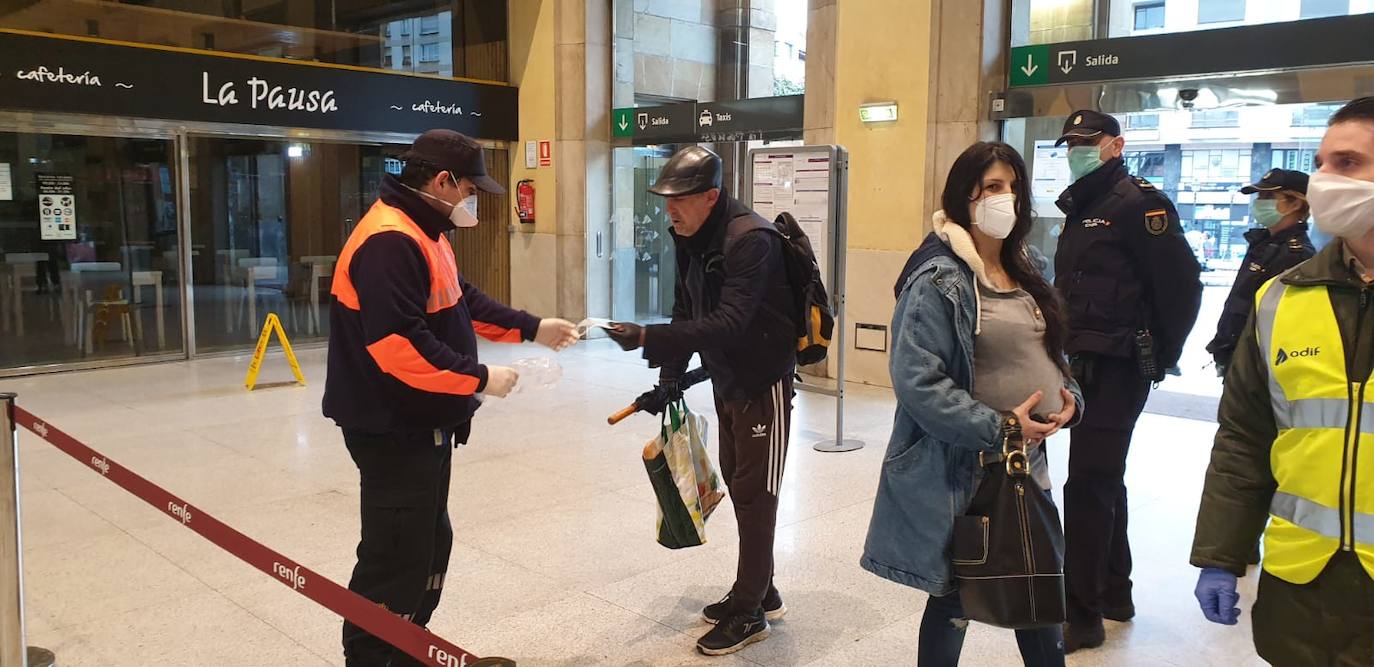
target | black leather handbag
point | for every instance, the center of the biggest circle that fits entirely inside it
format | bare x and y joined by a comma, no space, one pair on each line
1008,547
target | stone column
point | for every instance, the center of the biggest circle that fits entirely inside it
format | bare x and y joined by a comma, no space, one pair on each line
582,99
939,60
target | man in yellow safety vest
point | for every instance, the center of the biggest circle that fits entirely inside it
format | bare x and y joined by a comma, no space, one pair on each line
1295,447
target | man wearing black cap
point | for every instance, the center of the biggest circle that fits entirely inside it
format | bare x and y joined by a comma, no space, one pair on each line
732,306
1281,242
1131,284
404,379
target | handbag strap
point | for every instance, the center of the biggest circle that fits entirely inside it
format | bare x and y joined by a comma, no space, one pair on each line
1013,455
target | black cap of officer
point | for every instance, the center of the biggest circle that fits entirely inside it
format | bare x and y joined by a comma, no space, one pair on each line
1087,124
691,170
1278,179
455,153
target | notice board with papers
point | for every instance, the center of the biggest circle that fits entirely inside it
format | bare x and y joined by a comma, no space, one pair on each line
808,182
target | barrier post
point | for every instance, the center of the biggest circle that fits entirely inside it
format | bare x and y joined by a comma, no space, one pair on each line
13,649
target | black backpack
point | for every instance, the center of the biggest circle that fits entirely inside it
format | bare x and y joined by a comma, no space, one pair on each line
811,304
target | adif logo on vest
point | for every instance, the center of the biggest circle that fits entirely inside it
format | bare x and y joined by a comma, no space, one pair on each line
1305,352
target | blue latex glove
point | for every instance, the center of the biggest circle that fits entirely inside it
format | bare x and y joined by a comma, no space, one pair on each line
1216,592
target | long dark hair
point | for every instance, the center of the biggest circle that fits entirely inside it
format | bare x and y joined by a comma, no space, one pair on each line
965,177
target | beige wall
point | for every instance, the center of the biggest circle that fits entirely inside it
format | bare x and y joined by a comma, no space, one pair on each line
928,57
532,70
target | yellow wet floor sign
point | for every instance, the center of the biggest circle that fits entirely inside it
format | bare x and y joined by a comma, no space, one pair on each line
272,324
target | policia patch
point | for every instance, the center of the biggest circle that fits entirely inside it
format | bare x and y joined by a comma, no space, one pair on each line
1157,222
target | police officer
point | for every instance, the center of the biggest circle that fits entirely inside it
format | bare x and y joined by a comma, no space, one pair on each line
732,306
1280,207
1132,288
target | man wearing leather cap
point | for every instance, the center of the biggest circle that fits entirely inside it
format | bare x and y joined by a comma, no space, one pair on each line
1131,285
732,306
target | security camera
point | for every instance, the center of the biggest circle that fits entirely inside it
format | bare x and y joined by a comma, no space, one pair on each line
1187,97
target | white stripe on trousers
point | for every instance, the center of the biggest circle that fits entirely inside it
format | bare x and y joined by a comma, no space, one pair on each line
775,450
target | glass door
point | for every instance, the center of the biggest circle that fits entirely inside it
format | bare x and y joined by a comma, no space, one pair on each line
645,259
1200,159
88,249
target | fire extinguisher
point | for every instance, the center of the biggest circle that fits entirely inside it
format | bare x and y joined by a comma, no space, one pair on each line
524,201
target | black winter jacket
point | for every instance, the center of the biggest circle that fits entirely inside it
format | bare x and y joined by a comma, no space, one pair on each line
1268,256
1123,265
732,305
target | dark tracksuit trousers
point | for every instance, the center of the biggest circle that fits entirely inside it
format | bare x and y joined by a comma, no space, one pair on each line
1097,551
406,535
753,451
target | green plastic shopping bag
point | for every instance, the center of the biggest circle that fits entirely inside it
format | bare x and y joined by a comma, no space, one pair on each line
684,480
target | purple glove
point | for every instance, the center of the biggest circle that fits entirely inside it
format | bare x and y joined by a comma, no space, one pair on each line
1216,592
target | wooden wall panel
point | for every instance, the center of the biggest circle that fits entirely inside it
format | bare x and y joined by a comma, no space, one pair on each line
483,252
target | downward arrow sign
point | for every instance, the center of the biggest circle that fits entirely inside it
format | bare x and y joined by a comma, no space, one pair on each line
623,124
1030,67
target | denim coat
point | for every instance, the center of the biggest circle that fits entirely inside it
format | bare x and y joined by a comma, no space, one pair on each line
931,469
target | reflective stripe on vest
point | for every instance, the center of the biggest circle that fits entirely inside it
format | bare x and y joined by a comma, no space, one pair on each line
1325,497
444,290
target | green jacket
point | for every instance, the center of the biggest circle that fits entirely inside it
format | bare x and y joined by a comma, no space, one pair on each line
1240,483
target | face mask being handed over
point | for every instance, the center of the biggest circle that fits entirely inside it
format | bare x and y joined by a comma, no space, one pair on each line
1341,206
995,215
1084,160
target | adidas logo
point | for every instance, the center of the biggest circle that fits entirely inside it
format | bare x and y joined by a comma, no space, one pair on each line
760,431
1306,352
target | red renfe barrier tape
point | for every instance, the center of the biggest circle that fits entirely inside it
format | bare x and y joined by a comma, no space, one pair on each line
364,613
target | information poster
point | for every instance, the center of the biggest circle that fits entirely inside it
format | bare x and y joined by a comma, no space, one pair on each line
1050,175
797,183
6,182
57,207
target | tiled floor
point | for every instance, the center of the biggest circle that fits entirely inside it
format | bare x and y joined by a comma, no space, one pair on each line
555,562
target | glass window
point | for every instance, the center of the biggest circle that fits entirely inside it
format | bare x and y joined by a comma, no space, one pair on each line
789,52
1129,17
1201,168
267,221
1312,9
89,266
1314,115
332,31
429,53
1142,121
1220,11
1216,118
1149,15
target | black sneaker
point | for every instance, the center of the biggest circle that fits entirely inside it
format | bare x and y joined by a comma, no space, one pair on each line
773,608
1083,635
734,633
1121,613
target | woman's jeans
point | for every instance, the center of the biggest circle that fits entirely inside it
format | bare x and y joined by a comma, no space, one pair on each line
942,637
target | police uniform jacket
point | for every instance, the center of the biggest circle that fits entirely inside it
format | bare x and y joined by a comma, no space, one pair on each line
1268,256
1123,265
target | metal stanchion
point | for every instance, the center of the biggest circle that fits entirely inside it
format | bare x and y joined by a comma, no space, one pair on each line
13,649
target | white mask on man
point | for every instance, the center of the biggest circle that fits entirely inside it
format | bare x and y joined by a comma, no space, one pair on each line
1341,206
463,215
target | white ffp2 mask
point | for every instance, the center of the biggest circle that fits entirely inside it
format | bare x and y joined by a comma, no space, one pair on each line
995,215
1341,206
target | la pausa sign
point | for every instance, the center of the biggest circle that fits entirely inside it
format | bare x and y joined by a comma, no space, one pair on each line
263,95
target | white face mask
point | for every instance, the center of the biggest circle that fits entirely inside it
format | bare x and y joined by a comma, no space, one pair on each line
995,215
463,215
1341,206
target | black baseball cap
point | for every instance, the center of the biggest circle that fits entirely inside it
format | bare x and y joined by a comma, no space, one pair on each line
1278,179
1087,123
455,153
